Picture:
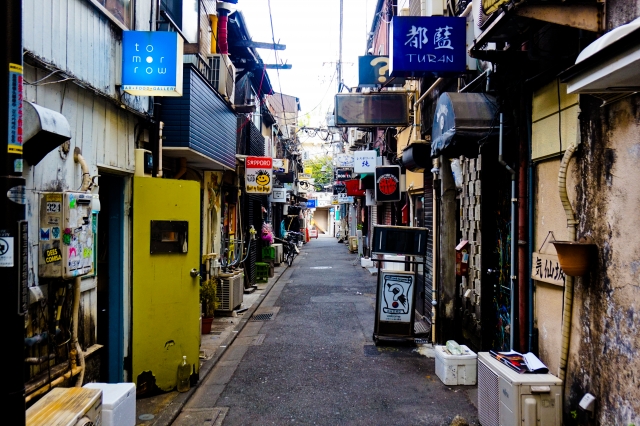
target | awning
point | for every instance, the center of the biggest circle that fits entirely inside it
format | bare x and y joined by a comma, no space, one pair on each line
44,130
611,64
461,122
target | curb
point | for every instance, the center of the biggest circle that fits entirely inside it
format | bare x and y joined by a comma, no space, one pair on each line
173,410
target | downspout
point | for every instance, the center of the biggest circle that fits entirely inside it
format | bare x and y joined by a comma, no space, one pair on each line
512,260
86,185
531,173
183,168
568,286
522,239
223,19
160,127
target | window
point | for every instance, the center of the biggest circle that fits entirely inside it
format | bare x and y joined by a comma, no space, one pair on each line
122,10
418,214
185,14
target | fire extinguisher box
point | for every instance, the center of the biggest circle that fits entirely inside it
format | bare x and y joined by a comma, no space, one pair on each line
462,258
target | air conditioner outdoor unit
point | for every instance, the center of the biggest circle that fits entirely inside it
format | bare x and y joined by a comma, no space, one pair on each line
222,75
506,398
230,291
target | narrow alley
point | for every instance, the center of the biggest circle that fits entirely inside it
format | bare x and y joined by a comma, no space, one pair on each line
314,361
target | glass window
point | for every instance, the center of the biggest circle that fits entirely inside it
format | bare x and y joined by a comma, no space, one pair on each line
185,15
122,10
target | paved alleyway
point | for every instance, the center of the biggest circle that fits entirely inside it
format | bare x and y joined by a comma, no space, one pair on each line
314,362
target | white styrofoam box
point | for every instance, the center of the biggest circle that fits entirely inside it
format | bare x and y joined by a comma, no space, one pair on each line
396,266
457,369
118,403
366,263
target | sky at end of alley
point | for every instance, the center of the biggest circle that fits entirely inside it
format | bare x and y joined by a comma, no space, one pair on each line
310,29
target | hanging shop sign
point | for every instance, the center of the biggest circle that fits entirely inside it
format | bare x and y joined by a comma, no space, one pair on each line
374,70
278,195
343,174
152,63
339,188
344,160
424,45
312,203
388,183
334,200
379,109
364,161
546,268
258,175
280,165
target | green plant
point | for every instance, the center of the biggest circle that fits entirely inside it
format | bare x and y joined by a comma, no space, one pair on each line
574,414
359,226
209,296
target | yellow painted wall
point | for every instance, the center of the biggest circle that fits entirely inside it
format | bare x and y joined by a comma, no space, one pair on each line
165,297
553,114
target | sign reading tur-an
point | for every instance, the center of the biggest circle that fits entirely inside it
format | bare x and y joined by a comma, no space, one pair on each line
152,63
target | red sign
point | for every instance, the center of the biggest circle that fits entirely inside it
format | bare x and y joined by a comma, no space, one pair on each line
388,183
258,175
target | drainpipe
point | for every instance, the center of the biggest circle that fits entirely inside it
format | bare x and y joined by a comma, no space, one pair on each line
522,239
160,127
183,168
514,200
568,286
530,194
75,345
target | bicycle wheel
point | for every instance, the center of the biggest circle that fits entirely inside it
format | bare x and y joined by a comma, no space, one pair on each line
290,256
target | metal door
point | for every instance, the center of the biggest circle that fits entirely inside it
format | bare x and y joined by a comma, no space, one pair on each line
166,247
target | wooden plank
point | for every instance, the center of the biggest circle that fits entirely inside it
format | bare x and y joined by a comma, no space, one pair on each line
546,268
45,30
62,406
99,129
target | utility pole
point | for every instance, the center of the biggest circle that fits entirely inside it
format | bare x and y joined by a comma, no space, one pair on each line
13,265
340,49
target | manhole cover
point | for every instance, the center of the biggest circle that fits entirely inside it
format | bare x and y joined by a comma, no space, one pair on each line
262,317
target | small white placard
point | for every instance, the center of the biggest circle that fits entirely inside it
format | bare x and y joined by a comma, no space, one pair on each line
6,252
364,162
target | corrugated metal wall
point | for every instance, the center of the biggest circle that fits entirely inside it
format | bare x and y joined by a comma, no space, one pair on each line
428,223
200,120
251,142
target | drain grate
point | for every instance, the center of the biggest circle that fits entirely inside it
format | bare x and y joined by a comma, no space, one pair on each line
262,317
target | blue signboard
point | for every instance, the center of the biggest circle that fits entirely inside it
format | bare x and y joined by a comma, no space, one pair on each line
152,63
311,203
423,45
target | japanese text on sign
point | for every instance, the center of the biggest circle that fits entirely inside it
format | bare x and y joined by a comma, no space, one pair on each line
546,268
15,109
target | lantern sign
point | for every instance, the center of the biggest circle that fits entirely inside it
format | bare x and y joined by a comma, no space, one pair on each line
258,175
425,45
388,183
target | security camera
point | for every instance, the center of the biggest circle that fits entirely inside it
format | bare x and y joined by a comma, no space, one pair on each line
588,402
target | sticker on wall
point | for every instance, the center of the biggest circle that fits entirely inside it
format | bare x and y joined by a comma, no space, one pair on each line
258,175
55,232
6,252
52,255
45,234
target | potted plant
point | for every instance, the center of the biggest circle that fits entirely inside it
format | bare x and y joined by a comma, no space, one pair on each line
208,297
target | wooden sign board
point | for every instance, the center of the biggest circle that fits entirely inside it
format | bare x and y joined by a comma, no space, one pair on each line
546,268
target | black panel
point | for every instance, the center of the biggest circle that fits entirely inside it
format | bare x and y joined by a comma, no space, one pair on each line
399,240
169,236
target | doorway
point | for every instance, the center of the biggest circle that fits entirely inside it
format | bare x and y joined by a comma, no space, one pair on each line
111,277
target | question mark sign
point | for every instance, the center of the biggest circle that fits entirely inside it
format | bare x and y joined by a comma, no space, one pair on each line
383,69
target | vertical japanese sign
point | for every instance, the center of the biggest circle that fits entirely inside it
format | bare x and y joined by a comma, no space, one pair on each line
258,175
23,267
388,183
15,111
364,161
423,45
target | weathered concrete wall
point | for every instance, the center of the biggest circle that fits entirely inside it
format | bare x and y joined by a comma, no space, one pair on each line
605,342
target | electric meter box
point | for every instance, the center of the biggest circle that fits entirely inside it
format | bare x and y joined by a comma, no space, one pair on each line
66,240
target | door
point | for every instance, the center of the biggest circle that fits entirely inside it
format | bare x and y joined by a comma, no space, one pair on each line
166,247
111,277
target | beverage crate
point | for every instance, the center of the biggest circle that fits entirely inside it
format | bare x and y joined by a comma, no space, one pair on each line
268,253
262,272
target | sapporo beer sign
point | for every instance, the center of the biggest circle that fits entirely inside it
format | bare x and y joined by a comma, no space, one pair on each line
388,183
258,175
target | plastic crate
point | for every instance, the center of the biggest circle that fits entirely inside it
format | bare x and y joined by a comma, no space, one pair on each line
262,272
268,253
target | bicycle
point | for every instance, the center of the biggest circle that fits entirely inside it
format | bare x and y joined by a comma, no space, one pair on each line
289,248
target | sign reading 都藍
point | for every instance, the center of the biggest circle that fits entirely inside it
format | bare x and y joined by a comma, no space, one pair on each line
258,175
388,183
364,161
422,45
546,268
374,70
152,63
